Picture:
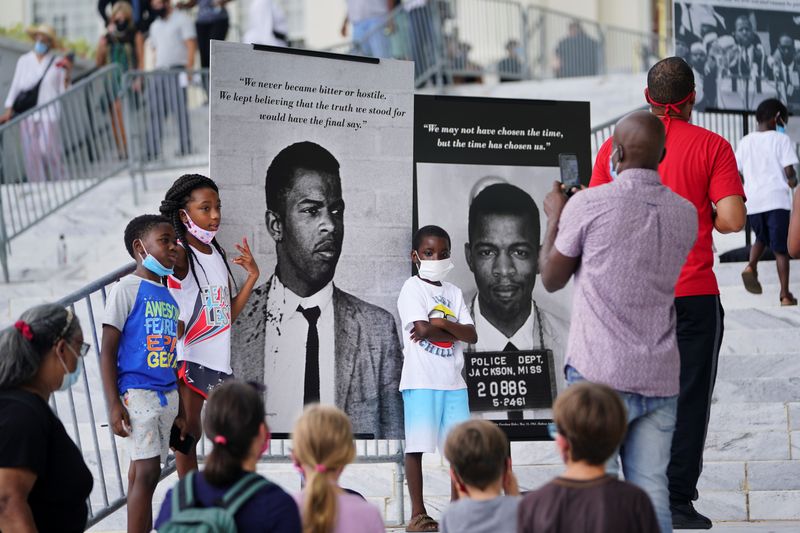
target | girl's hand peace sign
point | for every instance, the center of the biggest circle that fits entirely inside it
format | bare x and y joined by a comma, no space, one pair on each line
245,259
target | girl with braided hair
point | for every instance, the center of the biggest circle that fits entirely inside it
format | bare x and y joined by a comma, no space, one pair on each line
202,287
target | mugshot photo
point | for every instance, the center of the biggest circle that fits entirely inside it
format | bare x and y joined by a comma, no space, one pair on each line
496,222
329,214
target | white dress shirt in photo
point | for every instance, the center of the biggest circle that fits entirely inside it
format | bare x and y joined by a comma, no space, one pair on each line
285,352
554,332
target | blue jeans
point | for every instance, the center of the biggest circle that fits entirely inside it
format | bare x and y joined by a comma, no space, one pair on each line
645,452
370,38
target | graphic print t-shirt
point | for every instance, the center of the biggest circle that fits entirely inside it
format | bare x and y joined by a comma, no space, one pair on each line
426,364
206,312
147,315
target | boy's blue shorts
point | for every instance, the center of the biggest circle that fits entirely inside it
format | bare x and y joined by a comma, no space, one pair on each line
771,228
429,416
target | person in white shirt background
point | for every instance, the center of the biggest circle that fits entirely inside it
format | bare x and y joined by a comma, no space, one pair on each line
267,24
39,132
766,160
173,38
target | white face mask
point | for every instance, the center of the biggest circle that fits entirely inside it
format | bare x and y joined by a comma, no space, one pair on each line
435,271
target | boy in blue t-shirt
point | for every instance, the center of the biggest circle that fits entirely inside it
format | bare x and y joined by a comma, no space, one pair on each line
436,323
138,360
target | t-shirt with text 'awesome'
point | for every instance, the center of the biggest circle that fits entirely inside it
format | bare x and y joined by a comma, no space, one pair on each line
147,316
700,166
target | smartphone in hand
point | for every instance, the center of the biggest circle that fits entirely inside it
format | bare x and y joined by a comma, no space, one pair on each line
569,173
184,446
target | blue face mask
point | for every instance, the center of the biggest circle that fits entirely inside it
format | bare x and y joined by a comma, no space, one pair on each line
71,378
780,125
153,265
40,48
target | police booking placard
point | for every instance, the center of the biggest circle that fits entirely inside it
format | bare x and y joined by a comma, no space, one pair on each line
482,168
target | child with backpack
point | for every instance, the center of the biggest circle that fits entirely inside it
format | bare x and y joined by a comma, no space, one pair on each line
322,446
234,421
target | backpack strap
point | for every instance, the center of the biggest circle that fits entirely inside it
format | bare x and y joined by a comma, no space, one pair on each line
246,487
183,494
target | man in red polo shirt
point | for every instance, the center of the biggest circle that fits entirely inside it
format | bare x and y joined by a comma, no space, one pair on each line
700,166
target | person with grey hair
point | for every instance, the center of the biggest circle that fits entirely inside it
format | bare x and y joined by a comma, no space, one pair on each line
44,482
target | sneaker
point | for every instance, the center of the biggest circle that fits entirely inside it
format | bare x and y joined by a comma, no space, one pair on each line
684,516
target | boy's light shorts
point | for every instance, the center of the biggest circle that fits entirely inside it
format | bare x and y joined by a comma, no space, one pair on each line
151,422
430,414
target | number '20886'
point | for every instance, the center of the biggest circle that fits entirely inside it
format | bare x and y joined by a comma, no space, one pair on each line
502,388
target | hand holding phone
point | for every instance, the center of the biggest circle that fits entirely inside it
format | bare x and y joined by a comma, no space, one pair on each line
570,178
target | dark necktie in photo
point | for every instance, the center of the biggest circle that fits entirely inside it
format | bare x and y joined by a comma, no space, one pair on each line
311,381
513,415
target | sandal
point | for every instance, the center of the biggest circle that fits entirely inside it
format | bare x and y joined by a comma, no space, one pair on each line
788,300
422,522
751,283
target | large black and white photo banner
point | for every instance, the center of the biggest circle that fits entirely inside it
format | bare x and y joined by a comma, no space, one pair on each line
313,155
742,51
482,169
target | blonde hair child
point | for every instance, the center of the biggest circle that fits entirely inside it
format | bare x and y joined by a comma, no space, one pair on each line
322,447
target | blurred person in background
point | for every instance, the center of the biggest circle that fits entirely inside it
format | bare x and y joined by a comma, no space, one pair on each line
40,77
44,481
212,23
174,41
577,54
266,24
512,66
371,24
122,45
143,15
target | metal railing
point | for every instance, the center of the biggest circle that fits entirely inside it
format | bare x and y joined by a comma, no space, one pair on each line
55,152
84,412
166,119
462,41
102,125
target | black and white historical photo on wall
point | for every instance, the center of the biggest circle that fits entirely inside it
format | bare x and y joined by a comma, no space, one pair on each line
483,168
742,52
313,155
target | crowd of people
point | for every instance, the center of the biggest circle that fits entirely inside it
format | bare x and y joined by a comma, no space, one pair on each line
740,57
641,358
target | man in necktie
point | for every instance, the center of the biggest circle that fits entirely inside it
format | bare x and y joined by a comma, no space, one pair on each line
502,253
306,339
785,72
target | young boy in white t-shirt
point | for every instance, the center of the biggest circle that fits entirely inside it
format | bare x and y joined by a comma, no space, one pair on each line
766,160
436,323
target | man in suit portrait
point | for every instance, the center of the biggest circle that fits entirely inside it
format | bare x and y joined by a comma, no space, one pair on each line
503,255
306,339
787,72
750,61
